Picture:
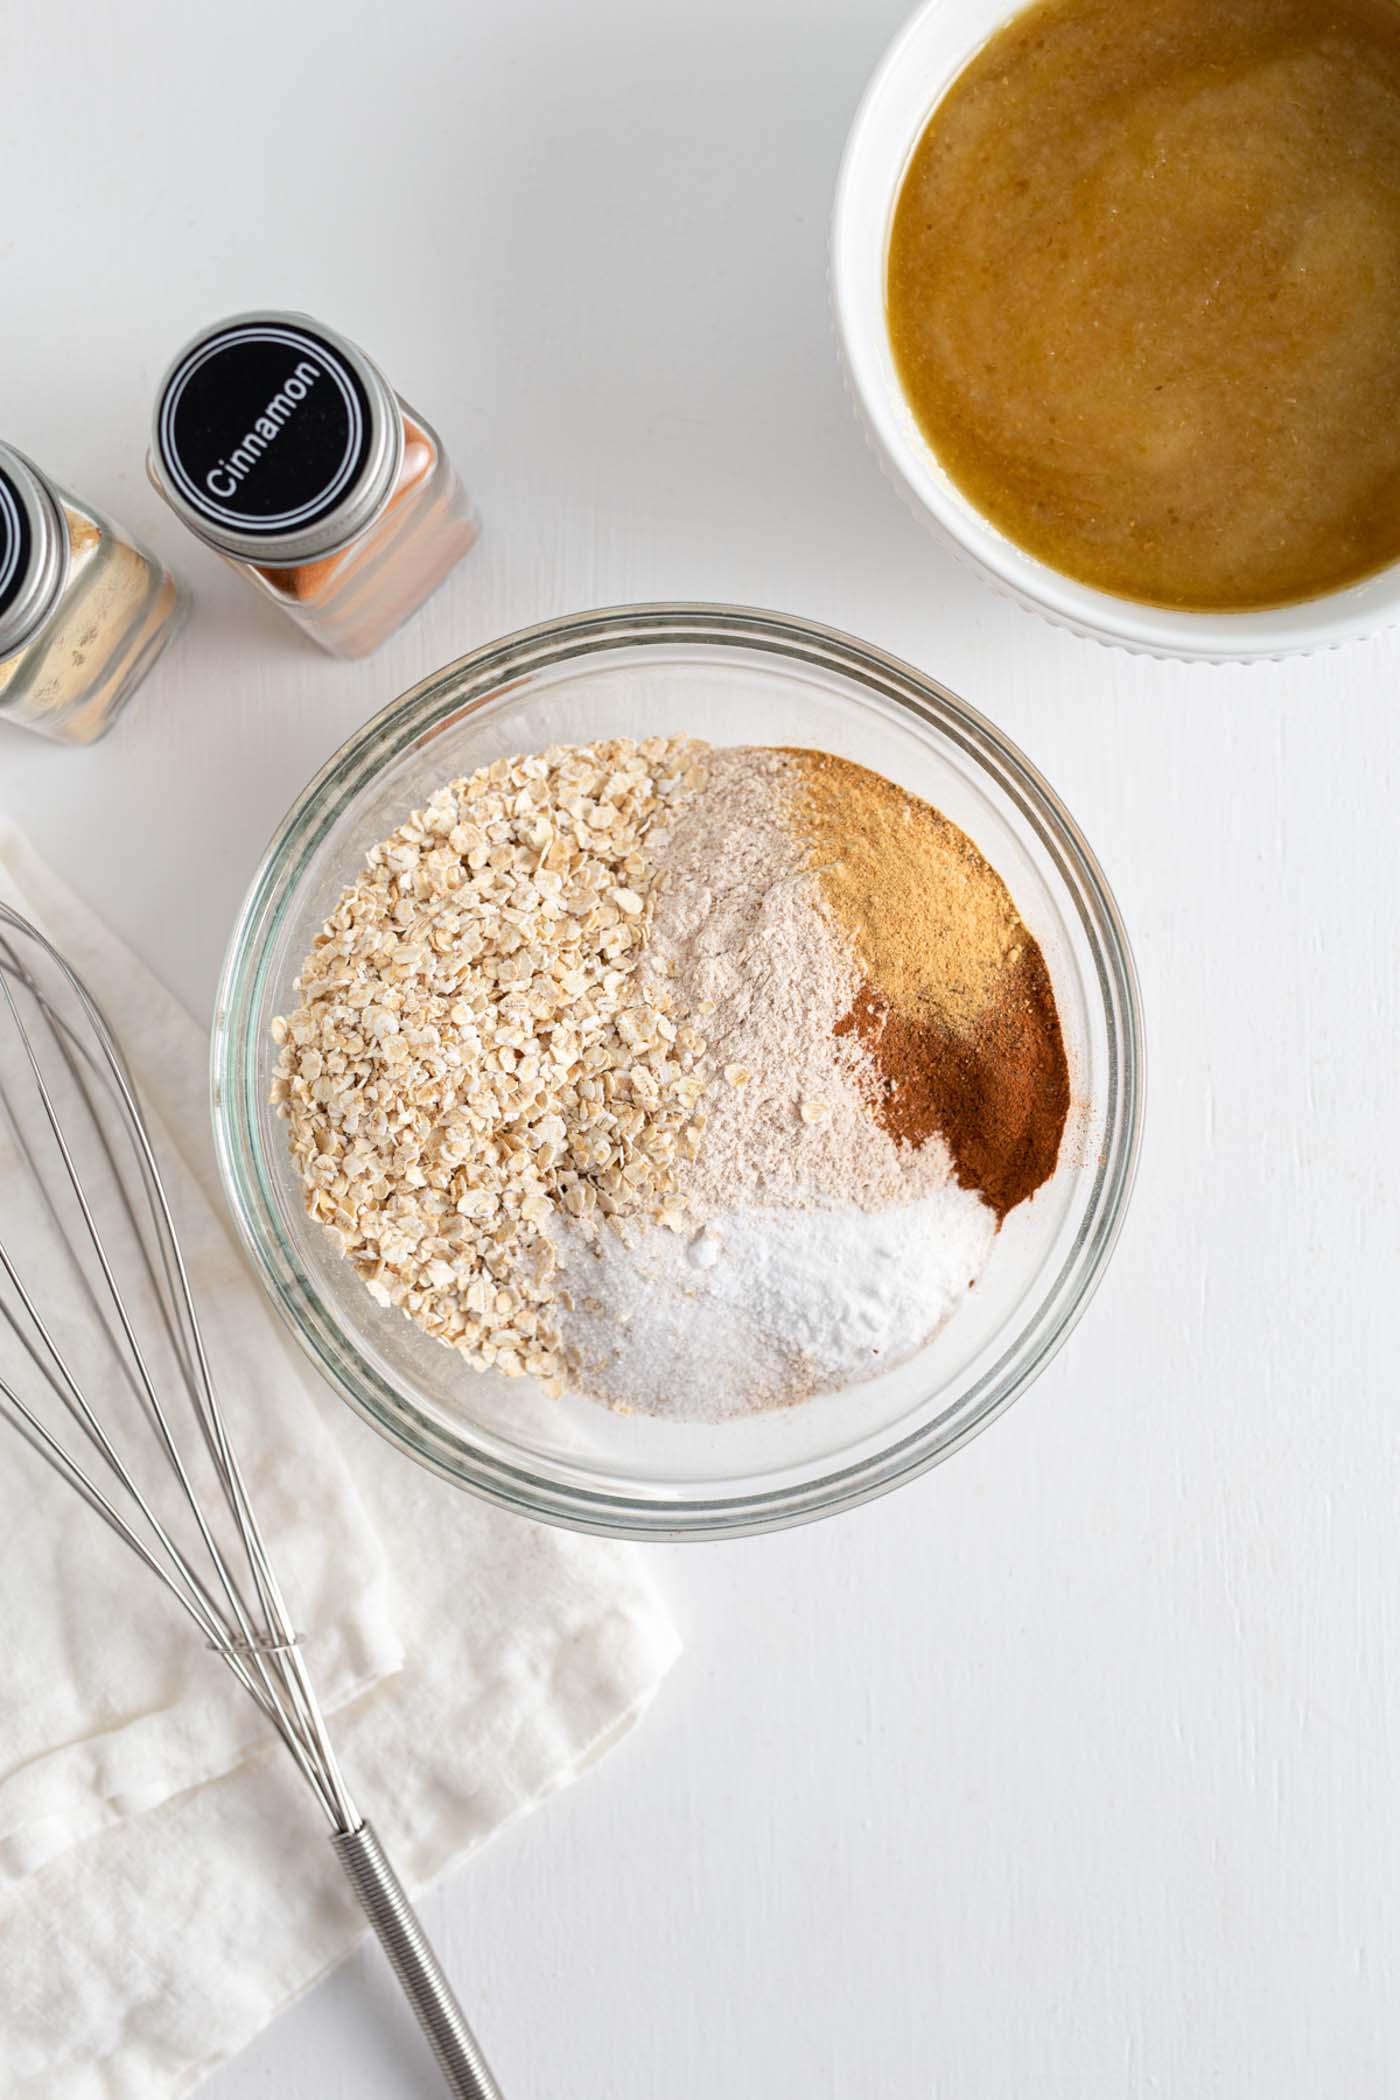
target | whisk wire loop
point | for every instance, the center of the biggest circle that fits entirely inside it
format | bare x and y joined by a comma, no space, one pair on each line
287,1694
290,1704
67,1050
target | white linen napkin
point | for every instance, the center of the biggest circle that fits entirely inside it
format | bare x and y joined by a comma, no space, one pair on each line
165,1882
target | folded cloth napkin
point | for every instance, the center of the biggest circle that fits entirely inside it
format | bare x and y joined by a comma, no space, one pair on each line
165,1882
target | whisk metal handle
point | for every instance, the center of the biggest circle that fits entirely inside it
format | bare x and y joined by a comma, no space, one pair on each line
413,1961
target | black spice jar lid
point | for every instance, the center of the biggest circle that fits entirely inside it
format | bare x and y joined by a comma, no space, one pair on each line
275,439
33,550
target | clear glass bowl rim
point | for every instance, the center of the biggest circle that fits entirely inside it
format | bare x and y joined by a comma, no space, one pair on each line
470,683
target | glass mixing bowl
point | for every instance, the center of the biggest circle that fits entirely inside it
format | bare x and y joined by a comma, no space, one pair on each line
732,676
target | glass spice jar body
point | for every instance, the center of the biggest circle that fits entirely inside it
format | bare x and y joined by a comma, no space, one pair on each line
284,448
354,599
84,610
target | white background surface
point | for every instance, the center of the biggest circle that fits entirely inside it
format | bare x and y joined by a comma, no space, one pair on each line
1069,1771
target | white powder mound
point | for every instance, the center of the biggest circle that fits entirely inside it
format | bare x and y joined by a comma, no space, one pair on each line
760,1308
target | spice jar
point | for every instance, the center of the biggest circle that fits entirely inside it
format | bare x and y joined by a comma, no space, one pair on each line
287,451
84,612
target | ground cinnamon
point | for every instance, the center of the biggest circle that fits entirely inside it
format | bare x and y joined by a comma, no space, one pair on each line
997,1097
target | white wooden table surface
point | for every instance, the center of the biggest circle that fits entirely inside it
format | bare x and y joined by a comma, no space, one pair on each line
1070,1771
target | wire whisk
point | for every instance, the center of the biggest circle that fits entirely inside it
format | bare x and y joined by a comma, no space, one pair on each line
111,1384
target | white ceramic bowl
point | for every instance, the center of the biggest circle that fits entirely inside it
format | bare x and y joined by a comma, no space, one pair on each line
910,81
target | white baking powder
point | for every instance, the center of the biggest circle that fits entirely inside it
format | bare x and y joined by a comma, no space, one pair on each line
761,1307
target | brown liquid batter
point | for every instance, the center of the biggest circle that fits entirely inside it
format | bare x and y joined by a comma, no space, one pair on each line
1144,293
